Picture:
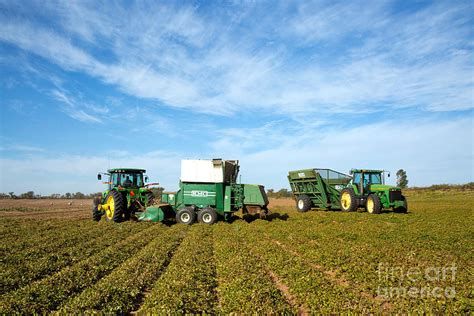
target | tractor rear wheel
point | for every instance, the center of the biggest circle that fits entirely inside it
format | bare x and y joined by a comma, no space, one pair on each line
348,200
404,208
115,207
207,215
303,203
186,216
373,204
96,214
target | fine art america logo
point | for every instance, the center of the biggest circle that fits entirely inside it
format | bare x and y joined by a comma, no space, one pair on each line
429,282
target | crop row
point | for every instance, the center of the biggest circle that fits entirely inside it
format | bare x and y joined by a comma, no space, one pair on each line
188,284
65,248
366,251
244,284
21,236
48,293
310,286
118,292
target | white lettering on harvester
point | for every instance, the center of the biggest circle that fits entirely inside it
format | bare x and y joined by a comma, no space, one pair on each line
199,193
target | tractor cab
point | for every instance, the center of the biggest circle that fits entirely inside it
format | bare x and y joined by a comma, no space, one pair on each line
125,178
364,180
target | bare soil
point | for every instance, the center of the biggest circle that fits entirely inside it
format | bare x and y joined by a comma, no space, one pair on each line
46,208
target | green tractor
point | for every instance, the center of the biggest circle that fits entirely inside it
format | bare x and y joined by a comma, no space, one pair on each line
368,189
126,194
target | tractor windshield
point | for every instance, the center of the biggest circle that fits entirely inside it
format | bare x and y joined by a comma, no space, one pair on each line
127,180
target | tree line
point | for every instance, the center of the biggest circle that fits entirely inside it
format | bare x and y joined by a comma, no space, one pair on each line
32,195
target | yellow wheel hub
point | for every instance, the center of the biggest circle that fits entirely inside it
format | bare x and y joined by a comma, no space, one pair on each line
370,205
110,207
346,200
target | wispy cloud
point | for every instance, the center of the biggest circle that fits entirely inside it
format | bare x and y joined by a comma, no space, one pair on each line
355,56
75,111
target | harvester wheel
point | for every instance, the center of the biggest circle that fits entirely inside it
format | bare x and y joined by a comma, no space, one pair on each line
404,208
114,206
373,205
207,215
303,203
186,216
96,214
348,200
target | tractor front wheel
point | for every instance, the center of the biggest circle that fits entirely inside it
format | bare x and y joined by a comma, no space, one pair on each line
114,207
186,216
96,214
348,200
373,204
404,208
207,215
303,203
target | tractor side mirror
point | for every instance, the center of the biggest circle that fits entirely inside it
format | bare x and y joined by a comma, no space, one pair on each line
99,177
146,178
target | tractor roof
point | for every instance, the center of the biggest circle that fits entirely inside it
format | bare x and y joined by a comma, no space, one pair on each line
366,170
126,170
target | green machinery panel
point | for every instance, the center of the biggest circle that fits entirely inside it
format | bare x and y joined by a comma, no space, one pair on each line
201,195
255,195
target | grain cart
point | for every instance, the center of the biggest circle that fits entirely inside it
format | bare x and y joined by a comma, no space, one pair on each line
317,188
329,189
126,194
208,188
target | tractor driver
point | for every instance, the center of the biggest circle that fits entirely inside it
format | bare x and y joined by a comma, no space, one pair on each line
127,183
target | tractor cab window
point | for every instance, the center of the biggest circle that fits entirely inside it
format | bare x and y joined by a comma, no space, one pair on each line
376,178
127,180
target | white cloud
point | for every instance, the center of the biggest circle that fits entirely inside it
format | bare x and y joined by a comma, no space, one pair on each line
357,56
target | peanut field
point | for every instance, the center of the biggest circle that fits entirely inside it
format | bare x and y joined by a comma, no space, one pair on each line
314,262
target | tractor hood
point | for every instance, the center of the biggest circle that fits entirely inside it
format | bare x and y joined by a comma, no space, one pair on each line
383,187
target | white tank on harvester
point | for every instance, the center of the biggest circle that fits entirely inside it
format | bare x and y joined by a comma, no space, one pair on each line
208,189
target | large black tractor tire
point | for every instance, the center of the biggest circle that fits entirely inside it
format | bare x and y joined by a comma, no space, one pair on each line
96,214
404,208
117,214
186,216
348,200
373,204
207,216
303,203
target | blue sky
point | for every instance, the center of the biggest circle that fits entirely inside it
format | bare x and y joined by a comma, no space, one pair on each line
278,85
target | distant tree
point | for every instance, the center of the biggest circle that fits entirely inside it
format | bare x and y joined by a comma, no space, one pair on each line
402,180
4,196
283,193
270,192
28,195
78,195
12,195
68,195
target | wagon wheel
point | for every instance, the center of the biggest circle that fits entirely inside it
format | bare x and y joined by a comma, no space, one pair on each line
303,203
207,215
